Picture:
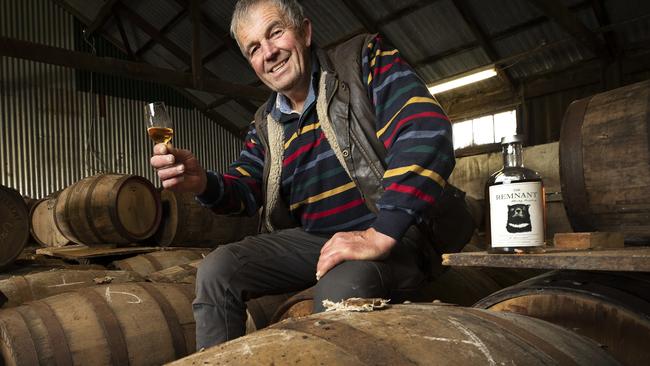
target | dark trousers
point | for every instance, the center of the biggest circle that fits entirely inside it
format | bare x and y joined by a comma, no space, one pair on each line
285,261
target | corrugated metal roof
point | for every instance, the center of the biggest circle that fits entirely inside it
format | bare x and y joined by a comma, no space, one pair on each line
435,28
427,32
331,20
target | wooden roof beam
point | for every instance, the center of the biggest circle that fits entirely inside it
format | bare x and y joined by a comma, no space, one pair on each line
152,32
125,38
560,14
102,16
470,19
128,69
135,70
166,28
603,20
197,65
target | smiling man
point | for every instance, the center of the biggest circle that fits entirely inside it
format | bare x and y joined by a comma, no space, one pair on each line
349,157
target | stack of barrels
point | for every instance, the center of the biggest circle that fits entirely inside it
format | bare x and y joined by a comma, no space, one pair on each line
113,209
95,315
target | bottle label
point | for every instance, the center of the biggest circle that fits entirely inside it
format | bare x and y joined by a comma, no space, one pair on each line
517,214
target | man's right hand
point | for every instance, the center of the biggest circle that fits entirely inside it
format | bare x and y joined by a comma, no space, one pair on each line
178,169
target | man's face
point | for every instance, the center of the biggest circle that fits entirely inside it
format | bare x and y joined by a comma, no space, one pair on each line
278,53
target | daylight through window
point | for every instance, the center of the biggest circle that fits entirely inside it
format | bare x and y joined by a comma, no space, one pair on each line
484,130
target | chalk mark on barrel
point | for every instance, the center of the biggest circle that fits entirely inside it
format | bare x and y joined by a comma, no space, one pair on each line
475,340
62,284
109,298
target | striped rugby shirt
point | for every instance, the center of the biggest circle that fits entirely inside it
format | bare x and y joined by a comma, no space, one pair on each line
322,197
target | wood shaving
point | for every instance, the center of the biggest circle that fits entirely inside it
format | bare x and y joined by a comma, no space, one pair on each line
356,304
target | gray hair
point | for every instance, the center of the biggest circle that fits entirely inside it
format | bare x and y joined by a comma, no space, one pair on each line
291,9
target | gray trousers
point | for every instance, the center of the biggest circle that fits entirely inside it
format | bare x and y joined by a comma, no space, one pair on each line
285,261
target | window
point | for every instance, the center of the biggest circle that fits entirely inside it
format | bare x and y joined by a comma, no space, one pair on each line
484,130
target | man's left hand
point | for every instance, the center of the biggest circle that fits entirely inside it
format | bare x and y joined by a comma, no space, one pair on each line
354,245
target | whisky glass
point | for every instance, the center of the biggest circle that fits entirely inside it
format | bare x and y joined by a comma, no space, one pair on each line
159,125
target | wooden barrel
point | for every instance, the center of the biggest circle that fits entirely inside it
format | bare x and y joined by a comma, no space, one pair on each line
413,334
145,264
34,286
14,225
108,209
182,273
605,162
122,324
611,308
458,285
260,310
186,223
43,227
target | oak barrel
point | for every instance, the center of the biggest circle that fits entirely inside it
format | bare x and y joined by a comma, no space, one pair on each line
610,307
458,285
145,264
108,209
186,223
260,310
605,162
14,225
181,273
20,289
413,334
43,227
122,324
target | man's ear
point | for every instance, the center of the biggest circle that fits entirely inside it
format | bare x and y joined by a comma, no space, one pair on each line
306,31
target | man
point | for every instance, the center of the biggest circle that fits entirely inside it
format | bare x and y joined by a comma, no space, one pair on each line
346,157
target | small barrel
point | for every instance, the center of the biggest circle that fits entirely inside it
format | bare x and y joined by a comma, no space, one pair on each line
34,286
122,324
43,227
108,209
611,308
145,264
186,223
605,162
413,334
14,225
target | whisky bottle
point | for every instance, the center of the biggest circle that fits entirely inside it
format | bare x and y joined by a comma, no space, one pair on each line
516,216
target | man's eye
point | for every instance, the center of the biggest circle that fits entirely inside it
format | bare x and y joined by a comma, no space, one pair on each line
276,33
253,50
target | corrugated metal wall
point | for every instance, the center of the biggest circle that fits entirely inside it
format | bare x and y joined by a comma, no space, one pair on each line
51,135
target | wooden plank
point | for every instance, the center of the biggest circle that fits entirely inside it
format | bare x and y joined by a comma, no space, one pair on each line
80,251
588,240
197,65
102,16
633,259
128,69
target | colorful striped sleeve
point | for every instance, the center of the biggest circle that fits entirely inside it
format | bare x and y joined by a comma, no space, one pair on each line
416,133
239,191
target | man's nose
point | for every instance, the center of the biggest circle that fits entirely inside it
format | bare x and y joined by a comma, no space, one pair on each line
269,49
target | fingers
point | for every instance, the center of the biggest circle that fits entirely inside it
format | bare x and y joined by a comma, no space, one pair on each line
173,183
335,251
172,171
162,161
325,263
160,149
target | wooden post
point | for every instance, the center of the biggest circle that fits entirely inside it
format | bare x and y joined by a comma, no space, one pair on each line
197,67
